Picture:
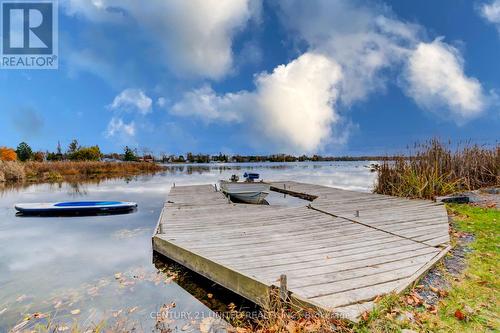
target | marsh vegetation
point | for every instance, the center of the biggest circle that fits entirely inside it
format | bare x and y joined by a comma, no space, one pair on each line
435,169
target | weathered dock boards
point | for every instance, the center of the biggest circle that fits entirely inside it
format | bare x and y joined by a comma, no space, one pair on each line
338,253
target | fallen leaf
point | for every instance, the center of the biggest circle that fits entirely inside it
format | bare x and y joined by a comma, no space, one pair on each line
434,289
75,311
210,295
442,293
431,308
459,315
416,299
39,315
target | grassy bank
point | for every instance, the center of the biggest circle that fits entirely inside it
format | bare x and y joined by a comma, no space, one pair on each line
40,172
434,169
471,301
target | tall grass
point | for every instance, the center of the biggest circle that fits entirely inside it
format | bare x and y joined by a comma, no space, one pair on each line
435,169
11,172
38,172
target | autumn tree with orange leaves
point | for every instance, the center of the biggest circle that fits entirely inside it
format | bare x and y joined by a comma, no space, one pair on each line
7,154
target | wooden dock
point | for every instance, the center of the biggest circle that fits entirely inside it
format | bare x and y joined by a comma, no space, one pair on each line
338,253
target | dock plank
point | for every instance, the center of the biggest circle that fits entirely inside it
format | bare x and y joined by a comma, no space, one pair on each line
339,252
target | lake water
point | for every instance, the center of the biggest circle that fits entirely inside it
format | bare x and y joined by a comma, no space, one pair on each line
94,268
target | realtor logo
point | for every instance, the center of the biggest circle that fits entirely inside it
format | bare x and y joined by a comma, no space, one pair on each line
29,34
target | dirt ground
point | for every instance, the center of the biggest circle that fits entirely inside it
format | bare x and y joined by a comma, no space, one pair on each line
454,263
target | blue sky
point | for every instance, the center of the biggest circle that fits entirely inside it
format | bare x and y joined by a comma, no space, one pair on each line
255,77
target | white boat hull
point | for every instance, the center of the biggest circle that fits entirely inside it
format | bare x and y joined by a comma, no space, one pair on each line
253,193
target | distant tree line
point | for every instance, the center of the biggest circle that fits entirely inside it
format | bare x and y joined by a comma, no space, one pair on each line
76,152
224,158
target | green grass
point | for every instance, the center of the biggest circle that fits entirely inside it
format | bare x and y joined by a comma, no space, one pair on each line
474,293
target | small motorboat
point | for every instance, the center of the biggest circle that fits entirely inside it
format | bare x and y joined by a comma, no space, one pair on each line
248,191
75,207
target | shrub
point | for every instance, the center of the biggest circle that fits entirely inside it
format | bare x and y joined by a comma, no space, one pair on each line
54,156
38,156
7,154
129,155
92,153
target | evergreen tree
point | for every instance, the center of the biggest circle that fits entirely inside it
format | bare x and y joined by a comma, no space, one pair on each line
129,154
73,146
24,152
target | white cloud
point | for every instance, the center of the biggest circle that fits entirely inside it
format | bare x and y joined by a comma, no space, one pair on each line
435,77
352,52
161,102
295,103
365,41
207,105
372,47
117,127
132,100
491,12
195,37
291,109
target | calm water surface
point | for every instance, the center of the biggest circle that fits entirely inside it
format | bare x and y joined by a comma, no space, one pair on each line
88,269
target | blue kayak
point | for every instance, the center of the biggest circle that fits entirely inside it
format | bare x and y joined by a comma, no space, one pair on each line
75,207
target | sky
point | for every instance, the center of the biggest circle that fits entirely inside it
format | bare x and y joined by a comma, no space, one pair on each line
344,77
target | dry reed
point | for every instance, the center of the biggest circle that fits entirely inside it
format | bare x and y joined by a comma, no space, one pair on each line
39,172
11,172
285,316
435,170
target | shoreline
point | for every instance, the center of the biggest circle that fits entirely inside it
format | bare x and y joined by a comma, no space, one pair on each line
22,173
16,173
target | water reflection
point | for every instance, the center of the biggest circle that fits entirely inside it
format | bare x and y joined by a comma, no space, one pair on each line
61,264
